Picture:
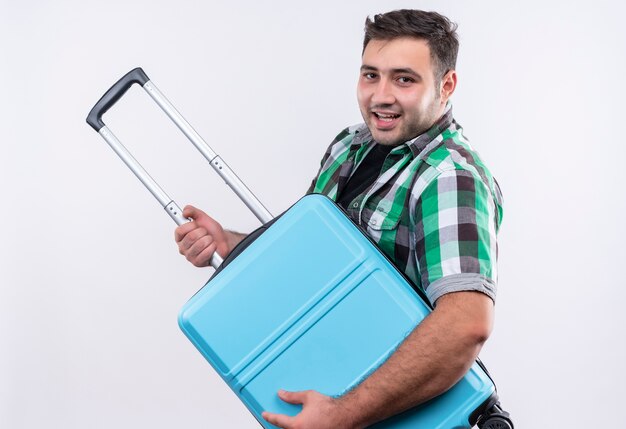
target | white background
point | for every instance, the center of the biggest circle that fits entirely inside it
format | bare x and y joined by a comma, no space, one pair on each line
90,277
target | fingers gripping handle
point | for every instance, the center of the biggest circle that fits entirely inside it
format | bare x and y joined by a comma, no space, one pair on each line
114,93
176,213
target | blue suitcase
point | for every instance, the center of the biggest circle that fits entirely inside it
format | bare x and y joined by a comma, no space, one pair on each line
327,308
311,303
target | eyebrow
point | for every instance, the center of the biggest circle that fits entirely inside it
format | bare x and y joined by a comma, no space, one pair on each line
404,70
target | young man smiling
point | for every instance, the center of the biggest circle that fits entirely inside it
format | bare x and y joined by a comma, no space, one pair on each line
399,100
411,180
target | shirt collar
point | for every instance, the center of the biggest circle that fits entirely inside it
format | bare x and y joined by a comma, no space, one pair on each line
417,144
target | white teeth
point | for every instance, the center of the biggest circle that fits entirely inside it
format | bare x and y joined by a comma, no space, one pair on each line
386,118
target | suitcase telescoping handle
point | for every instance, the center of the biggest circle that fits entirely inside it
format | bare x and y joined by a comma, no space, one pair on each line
138,76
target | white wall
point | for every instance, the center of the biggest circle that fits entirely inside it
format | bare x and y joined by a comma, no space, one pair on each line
90,278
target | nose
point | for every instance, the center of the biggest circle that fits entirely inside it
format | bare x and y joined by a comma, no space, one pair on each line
383,93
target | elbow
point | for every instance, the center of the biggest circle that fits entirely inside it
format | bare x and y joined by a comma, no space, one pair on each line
472,334
468,342
478,333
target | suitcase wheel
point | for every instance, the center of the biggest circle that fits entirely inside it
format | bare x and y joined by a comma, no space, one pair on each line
497,422
495,418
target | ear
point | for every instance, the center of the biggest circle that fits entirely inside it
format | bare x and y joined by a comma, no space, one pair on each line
448,85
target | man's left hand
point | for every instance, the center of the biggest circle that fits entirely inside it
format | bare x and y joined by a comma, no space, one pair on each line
318,412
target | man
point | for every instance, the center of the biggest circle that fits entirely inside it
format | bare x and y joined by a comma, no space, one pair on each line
409,177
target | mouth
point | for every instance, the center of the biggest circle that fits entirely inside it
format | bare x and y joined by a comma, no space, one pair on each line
385,120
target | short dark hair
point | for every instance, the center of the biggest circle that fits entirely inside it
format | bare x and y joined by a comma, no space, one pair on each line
437,30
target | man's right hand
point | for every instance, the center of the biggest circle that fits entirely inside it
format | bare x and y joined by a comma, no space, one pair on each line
198,239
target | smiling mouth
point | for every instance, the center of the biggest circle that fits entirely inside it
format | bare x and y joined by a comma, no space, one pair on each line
386,117
385,121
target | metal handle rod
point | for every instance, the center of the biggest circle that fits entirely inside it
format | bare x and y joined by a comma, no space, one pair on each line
231,179
166,202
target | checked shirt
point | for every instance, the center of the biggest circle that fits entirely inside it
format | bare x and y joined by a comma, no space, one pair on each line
434,209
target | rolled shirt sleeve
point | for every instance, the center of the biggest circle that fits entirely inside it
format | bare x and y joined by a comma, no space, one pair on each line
456,224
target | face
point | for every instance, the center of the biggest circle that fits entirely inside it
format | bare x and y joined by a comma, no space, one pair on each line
398,96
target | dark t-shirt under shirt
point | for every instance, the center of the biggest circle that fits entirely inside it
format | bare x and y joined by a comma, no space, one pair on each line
367,172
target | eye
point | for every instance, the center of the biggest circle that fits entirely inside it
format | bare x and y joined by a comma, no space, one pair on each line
405,80
369,75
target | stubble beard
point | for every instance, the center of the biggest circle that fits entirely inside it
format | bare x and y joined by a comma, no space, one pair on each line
410,128
422,122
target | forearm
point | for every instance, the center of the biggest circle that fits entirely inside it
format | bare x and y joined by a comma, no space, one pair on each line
430,361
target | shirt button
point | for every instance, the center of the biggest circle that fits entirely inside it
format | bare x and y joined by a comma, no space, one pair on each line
355,205
373,222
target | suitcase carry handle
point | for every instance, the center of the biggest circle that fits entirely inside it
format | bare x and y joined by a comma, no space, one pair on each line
94,119
114,93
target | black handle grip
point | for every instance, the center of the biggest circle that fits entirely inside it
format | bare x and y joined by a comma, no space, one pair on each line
113,95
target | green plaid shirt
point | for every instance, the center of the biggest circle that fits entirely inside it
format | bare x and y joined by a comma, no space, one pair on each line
434,209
